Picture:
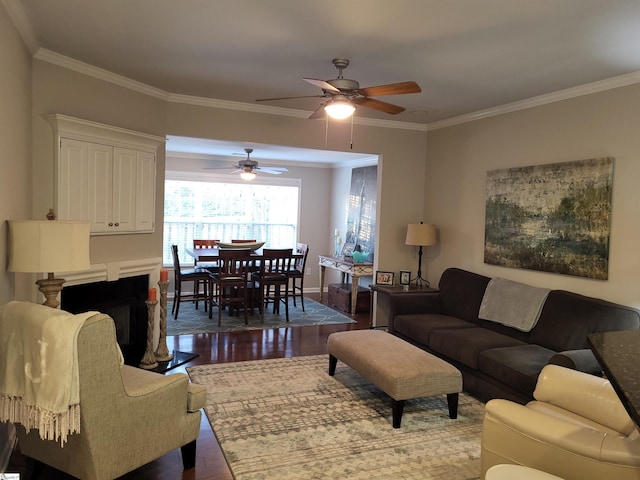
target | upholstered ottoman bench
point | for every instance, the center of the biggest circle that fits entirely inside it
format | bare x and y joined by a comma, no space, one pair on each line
398,368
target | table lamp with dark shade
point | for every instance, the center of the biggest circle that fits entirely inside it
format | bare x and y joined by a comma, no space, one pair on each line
421,235
47,246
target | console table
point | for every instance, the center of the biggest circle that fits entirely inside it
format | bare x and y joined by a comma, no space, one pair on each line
345,265
617,353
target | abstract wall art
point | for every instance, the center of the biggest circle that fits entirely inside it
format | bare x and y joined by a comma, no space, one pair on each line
552,218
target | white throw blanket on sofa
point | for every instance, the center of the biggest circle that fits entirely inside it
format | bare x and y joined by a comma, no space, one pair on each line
39,384
514,304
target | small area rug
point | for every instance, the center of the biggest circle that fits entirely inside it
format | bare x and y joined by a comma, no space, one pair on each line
287,419
192,321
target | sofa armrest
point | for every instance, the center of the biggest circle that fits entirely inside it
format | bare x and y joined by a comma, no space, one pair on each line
582,360
410,303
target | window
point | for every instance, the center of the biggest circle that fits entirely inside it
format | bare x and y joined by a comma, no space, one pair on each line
220,207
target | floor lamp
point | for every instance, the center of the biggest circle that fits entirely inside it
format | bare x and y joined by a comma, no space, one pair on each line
421,235
47,246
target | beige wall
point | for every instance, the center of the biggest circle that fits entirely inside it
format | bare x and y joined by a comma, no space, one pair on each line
15,138
598,125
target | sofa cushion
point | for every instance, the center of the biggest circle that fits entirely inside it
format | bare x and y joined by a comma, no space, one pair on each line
461,293
517,366
465,344
418,327
568,318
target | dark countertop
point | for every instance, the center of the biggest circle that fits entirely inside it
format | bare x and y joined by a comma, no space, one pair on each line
618,354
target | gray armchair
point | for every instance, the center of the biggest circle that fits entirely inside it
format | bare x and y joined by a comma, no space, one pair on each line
128,416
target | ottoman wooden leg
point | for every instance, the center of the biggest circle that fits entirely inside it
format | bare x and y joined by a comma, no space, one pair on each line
397,407
333,361
452,400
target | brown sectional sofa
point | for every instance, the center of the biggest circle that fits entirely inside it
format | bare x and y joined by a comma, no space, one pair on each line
498,361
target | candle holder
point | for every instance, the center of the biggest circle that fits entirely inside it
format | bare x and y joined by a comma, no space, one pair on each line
162,352
148,361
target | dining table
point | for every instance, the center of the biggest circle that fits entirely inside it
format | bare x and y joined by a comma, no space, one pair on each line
212,254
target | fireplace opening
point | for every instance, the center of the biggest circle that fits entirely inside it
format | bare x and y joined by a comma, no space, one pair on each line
124,301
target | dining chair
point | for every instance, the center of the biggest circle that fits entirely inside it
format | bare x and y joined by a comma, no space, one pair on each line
230,285
199,244
297,274
200,278
273,272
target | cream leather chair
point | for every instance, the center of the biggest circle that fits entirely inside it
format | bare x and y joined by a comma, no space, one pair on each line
576,428
128,416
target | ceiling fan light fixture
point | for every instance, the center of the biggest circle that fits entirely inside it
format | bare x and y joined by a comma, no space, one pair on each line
247,175
339,109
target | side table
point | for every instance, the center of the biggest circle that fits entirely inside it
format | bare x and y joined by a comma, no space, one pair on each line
384,294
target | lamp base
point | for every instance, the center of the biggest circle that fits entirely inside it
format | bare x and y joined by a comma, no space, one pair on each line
420,282
50,288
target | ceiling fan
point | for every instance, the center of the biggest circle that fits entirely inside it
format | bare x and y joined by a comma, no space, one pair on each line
345,94
248,168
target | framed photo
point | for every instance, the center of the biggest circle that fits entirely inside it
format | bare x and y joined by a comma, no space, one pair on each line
384,278
405,277
347,249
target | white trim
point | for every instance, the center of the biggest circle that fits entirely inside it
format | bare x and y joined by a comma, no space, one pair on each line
286,112
260,179
362,162
99,73
22,23
80,129
581,90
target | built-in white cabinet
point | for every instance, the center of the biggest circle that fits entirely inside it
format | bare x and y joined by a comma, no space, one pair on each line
104,174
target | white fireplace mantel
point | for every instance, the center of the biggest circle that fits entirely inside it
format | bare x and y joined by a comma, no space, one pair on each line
112,271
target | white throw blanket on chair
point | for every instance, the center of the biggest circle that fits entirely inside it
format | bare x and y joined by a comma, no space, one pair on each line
514,304
39,384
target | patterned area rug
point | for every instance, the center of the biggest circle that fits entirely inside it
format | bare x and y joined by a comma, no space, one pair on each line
191,321
287,419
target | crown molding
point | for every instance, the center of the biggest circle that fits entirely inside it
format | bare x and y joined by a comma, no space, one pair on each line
21,21
23,25
286,112
581,90
99,73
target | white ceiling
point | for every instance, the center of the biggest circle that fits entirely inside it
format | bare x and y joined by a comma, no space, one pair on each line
467,55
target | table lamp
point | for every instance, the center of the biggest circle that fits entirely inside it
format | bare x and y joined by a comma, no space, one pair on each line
47,246
422,235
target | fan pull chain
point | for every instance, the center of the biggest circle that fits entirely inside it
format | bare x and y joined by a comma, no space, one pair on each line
326,131
351,141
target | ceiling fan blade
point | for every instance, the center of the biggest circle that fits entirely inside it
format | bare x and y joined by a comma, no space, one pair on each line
272,170
322,84
220,168
378,105
391,89
319,113
286,98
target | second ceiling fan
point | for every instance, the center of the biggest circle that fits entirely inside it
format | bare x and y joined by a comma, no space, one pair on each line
248,167
345,94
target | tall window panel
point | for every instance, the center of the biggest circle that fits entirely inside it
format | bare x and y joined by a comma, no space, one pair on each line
217,207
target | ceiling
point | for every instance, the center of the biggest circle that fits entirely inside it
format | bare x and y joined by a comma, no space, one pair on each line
467,55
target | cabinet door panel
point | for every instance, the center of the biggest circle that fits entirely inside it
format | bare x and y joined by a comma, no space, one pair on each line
146,192
124,189
72,188
100,187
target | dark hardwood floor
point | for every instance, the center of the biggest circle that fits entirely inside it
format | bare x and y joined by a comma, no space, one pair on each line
221,348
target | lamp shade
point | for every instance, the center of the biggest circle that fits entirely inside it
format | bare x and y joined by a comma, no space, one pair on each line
422,234
44,246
